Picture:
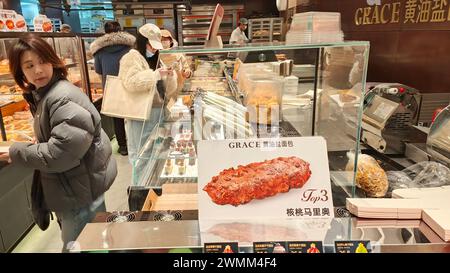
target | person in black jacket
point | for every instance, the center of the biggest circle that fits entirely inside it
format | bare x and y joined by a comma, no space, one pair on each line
71,151
108,50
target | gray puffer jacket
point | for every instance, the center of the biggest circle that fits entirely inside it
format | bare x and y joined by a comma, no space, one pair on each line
73,152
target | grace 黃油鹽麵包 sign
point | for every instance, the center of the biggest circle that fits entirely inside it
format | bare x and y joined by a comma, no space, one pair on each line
402,12
264,178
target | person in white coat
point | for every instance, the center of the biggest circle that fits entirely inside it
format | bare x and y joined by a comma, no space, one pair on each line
238,35
177,61
140,72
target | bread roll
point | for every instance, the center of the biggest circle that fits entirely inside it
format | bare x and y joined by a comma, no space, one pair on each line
370,177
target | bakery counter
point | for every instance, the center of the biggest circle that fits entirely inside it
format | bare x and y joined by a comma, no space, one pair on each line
190,235
15,188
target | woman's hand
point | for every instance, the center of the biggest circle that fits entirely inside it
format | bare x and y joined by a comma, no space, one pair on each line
165,72
5,157
187,73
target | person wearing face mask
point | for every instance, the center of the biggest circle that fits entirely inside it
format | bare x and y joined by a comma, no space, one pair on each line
140,72
238,35
71,155
177,61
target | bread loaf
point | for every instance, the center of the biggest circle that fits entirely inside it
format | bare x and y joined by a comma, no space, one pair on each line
370,177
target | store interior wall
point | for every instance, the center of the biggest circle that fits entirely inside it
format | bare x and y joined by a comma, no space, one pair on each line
411,54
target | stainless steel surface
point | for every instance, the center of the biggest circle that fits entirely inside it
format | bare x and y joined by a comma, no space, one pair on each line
438,141
390,111
417,152
385,235
139,235
431,102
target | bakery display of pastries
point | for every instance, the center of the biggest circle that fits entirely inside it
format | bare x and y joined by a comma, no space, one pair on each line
19,126
217,85
4,66
182,158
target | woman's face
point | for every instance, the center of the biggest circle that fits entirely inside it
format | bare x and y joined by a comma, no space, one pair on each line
151,49
36,71
166,42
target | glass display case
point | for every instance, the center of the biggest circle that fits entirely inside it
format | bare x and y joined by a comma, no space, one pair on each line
15,118
270,90
93,80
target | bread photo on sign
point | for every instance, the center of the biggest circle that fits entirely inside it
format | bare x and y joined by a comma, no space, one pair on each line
238,186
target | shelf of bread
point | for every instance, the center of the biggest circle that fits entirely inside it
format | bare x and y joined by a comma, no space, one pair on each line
9,93
11,108
96,97
19,126
4,68
96,92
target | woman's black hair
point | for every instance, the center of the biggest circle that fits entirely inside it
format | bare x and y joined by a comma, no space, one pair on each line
112,26
141,46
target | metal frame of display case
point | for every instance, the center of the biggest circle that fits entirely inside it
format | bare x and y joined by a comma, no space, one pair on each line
83,49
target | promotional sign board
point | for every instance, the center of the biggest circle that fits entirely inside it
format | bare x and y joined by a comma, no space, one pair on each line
42,24
11,21
285,178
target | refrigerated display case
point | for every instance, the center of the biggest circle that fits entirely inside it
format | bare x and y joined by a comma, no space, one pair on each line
16,119
221,107
327,105
93,80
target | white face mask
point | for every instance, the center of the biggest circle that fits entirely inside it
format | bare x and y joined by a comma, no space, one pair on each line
149,54
166,44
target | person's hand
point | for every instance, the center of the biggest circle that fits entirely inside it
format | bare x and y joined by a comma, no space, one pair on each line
186,74
5,157
165,72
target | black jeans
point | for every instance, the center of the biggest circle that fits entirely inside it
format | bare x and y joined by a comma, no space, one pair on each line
119,129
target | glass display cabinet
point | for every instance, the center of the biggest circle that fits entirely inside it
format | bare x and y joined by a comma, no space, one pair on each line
269,90
15,119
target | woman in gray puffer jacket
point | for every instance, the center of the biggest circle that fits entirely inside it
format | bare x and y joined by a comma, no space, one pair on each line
72,152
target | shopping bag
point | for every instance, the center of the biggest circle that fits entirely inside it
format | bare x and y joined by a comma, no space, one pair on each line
118,102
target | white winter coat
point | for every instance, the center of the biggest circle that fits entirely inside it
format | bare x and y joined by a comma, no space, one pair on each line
137,76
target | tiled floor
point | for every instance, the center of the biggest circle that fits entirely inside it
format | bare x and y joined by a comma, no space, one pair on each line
116,200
